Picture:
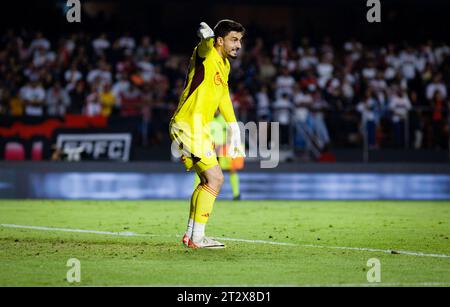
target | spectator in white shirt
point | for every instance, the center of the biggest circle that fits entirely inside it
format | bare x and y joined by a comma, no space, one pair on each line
100,44
302,117
102,74
284,84
127,42
370,71
39,42
390,73
42,57
120,87
318,107
93,106
400,106
303,102
392,58
262,104
370,114
72,76
147,68
436,86
57,100
379,87
408,62
378,83
347,90
33,96
324,71
282,108
308,60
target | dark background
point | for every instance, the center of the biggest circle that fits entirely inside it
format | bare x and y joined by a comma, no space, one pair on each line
175,20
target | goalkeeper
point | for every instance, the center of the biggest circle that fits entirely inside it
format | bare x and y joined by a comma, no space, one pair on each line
206,90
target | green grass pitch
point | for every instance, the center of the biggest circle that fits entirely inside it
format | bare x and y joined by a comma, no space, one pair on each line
321,235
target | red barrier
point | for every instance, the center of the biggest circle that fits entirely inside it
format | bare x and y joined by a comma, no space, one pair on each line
46,128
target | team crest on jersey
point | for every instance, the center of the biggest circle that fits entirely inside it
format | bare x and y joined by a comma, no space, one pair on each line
218,79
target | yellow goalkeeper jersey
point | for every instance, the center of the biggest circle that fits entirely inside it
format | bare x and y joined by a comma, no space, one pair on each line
206,89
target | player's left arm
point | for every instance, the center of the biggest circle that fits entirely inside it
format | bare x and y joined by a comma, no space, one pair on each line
235,148
226,108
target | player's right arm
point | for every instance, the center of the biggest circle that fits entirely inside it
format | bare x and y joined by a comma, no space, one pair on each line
206,44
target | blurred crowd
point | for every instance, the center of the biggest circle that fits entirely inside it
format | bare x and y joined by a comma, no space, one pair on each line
380,96
322,94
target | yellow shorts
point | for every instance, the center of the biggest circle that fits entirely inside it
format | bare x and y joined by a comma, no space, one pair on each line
196,153
199,164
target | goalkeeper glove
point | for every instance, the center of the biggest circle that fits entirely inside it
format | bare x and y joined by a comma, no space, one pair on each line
205,31
235,149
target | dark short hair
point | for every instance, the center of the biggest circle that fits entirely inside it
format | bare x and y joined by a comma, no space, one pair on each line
225,26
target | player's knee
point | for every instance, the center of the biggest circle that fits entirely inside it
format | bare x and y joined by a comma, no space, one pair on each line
216,181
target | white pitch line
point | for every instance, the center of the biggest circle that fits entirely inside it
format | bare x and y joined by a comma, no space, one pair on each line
124,234
386,251
257,241
131,234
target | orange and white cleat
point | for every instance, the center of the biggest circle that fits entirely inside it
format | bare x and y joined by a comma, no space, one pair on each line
206,242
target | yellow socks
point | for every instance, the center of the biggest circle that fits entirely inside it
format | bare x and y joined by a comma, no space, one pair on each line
203,208
194,197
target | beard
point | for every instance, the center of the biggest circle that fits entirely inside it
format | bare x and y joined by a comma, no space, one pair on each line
233,57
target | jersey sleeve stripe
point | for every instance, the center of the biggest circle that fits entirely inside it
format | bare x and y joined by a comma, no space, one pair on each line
199,75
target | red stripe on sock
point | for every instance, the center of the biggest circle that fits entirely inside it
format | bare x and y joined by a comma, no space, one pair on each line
210,190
